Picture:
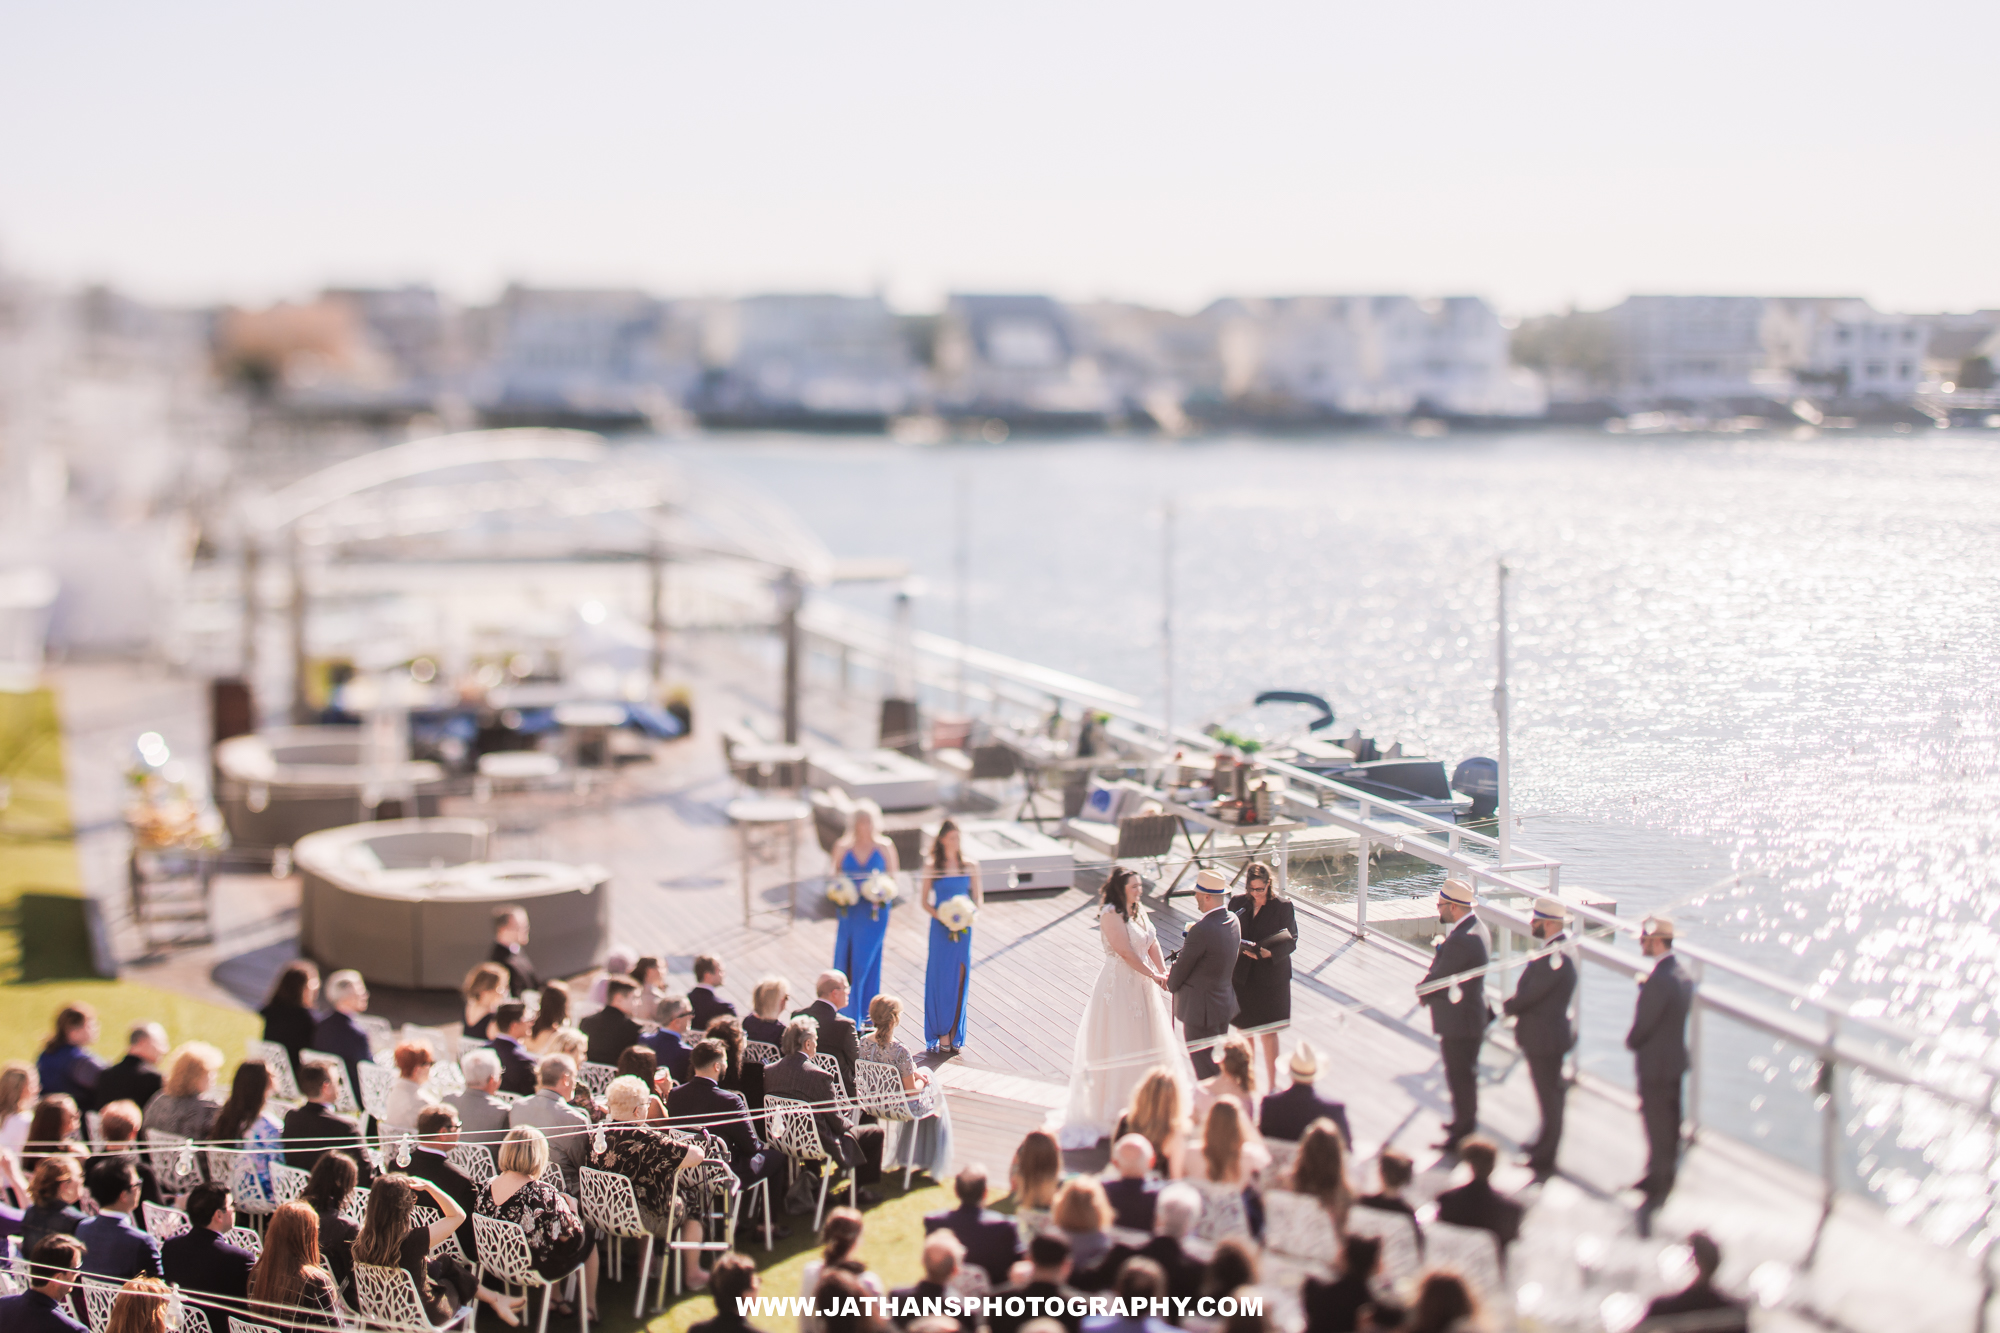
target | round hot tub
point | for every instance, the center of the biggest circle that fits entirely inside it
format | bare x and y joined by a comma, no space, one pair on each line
274,787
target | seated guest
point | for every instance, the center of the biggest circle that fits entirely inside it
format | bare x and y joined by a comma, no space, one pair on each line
314,1129
245,1120
1131,1192
739,1076
571,1043
859,1149
1083,1215
118,1126
20,1089
734,1278
612,1028
618,962
1032,1179
1319,1171
327,1191
484,991
1173,1219
392,1238
411,1092
924,1142
1397,1172
288,1287
1236,1077
768,1001
1476,1203
840,1241
703,1101
517,1067
199,1259
1048,1279
990,1239
67,1067
44,1306
482,1115
437,1135
549,1110
136,1078
837,1036
551,1017
652,1162
1231,1156
52,1131
142,1305
670,1039
708,1006
943,1256
1156,1112
1286,1114
340,1032
54,1194
289,1019
1139,1284
1233,1265
1443,1304
510,950
557,1237
113,1247
649,974
1699,1304
639,1062
1335,1307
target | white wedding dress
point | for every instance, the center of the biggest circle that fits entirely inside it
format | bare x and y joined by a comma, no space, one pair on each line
1127,1031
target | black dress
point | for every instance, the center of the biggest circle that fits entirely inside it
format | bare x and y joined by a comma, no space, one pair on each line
1264,985
290,1026
443,1283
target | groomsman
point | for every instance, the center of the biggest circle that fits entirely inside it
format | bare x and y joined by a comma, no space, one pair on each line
1658,1042
1540,1006
1460,1023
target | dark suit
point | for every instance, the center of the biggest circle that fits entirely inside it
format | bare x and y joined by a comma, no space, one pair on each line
925,1290
1727,1316
1029,1292
1477,1204
201,1261
115,1249
727,1116
837,1038
708,1006
1461,1027
430,1164
1335,1307
149,1184
858,1148
1658,1042
610,1031
290,1026
313,1130
32,1312
1133,1202
1184,1272
991,1240
517,1067
130,1080
342,1035
1202,982
1540,1005
1287,1115
672,1048
521,976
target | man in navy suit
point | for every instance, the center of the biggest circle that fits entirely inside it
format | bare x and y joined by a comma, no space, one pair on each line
1458,1007
1133,1197
200,1260
670,1039
991,1240
517,1067
1476,1203
702,1100
114,1249
1285,1115
340,1032
708,1006
44,1306
313,1130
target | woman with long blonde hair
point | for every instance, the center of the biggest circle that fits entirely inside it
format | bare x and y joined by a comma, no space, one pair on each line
19,1090
287,1279
1236,1077
188,1100
1232,1153
1156,1112
141,1306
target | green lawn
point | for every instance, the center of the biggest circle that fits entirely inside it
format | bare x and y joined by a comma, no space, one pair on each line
37,856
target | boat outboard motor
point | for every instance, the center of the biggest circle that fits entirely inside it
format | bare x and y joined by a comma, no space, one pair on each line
1478,778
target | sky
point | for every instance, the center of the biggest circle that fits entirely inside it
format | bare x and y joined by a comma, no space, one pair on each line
1539,154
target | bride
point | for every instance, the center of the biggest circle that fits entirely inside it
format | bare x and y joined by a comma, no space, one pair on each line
1128,1025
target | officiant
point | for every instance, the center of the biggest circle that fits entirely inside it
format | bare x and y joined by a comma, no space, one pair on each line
1264,967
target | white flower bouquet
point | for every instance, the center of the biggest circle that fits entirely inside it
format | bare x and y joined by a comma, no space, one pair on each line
956,914
880,890
840,892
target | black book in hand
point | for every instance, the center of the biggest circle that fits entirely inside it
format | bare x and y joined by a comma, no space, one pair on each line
1271,941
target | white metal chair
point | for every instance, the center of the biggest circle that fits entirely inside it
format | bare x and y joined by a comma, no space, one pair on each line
796,1133
376,1082
93,1130
717,1185
445,1042
287,1183
879,1088
279,1061
476,1160
610,1205
1402,1257
1299,1226
165,1151
97,1298
504,1252
552,1176
163,1223
381,1032
246,1186
447,1079
388,1297
356,1206
760,1053
245,1326
826,1064
184,1317
595,1077
1473,1251
1223,1212
243,1238
343,1090
424,1215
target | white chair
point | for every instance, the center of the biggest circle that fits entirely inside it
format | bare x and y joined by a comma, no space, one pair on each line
343,1090
388,1298
278,1061
610,1205
163,1223
1473,1251
760,1053
1223,1213
425,1215
447,1079
376,1083
381,1032
1402,1256
475,1159
595,1077
97,1298
93,1130
1299,1225
287,1183
796,1133
552,1176
504,1252
356,1206
826,1064
245,1326
243,1238
246,1186
879,1088
165,1151
184,1317
446,1043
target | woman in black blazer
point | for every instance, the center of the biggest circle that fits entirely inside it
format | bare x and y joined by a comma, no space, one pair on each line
1264,968
289,1019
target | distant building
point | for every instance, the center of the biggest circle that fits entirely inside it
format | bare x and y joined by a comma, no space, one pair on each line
1019,359
1707,351
824,360
586,356
413,326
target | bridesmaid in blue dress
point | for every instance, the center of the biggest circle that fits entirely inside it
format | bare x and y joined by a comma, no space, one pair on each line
948,974
857,944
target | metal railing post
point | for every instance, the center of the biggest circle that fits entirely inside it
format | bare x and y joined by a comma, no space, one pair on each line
1361,887
1693,1113
1829,1093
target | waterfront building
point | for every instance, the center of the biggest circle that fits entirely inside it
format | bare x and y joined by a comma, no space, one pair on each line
806,359
1021,359
603,356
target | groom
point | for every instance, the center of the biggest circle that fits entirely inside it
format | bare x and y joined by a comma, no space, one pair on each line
1203,977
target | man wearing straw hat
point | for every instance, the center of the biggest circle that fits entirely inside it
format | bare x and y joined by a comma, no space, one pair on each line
1203,977
1658,1042
1540,1006
1458,1008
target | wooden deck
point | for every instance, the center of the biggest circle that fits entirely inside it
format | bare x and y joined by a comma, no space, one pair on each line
674,859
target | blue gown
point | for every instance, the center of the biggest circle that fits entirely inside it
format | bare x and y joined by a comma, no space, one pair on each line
948,974
857,943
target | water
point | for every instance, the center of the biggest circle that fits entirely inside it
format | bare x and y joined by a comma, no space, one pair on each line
1753,680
